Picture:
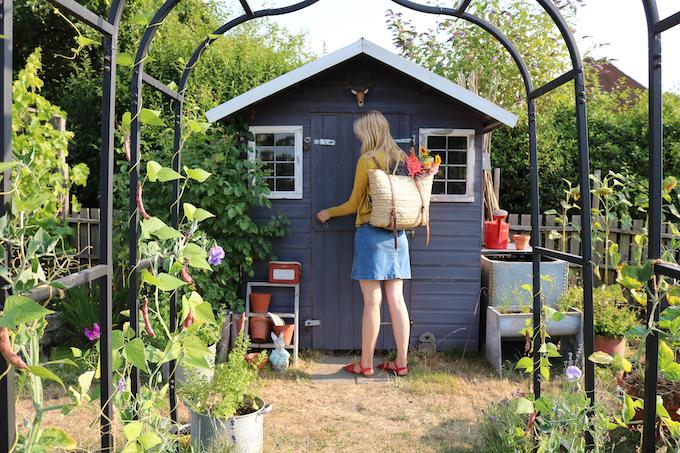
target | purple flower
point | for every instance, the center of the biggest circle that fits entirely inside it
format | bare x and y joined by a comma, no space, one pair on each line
573,373
215,255
121,385
94,333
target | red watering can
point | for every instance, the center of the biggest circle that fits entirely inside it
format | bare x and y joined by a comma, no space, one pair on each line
496,231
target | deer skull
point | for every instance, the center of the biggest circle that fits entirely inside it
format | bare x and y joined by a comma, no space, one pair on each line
360,93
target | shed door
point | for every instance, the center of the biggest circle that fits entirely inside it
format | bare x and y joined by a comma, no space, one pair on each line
337,300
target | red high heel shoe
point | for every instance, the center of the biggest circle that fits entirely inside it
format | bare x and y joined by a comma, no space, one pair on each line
398,370
365,372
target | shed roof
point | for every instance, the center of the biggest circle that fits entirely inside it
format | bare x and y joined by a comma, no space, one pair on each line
366,47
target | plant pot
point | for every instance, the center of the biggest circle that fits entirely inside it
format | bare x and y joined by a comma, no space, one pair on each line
288,331
260,327
259,302
243,433
252,357
610,345
521,241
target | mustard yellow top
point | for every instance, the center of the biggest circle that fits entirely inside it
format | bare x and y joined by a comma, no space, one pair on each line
360,202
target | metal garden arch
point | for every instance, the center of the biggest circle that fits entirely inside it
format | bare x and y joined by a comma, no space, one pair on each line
102,273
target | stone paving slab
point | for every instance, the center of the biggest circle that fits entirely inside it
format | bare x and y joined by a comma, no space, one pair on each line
329,370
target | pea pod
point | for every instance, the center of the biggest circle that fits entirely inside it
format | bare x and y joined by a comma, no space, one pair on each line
145,316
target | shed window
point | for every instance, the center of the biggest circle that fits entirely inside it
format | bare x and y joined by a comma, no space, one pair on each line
280,150
456,147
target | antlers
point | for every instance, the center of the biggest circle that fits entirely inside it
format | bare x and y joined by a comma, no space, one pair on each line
359,93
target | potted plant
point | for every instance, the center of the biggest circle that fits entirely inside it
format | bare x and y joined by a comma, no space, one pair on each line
613,317
225,412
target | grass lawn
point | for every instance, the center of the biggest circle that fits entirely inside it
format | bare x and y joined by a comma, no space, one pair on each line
433,410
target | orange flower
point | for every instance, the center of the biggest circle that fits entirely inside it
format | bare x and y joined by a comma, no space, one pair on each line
413,164
437,160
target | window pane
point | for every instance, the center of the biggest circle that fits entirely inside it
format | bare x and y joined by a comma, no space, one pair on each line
438,187
285,169
265,153
457,142
436,142
268,169
284,139
457,172
441,154
442,173
457,157
285,184
285,154
270,183
455,188
264,140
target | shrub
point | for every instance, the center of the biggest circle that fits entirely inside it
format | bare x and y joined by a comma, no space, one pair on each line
613,316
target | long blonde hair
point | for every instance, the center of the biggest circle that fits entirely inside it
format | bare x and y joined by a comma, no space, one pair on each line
373,131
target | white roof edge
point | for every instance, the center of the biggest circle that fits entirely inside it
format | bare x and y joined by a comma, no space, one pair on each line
362,46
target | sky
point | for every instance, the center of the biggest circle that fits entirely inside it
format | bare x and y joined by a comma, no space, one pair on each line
332,24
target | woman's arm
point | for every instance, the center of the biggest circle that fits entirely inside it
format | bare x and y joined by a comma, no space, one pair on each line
358,192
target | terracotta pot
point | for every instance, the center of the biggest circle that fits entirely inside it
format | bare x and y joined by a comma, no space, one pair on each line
259,329
288,331
259,302
610,345
252,357
521,241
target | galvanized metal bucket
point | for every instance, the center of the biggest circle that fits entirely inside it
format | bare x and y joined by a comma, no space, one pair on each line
241,434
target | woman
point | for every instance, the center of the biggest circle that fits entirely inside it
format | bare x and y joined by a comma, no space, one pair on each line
375,257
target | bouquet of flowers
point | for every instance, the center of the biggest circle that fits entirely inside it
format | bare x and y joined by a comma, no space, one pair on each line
422,164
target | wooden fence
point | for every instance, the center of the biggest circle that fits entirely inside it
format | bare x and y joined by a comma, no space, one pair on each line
85,239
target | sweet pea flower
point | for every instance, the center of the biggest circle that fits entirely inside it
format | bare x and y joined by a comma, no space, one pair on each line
121,385
94,333
215,255
573,373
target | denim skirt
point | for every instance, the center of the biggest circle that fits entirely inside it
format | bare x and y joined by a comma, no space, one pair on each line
375,257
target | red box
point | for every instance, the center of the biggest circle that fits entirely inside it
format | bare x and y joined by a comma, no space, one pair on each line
284,272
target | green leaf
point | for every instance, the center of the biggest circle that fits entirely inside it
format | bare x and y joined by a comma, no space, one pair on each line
21,310
166,174
133,430
197,174
628,409
203,313
524,406
201,214
55,438
151,117
166,233
543,405
150,226
117,339
134,353
44,373
553,314
125,120
85,381
660,409
525,363
622,363
195,352
84,41
149,440
4,166
189,211
124,59
152,169
198,126
164,282
196,256
666,355
672,371
601,357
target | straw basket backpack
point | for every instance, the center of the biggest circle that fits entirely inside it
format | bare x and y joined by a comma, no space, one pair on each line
399,202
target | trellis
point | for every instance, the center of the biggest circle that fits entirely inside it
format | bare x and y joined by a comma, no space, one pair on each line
102,271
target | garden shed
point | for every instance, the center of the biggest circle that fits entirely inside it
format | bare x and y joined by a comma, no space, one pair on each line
302,124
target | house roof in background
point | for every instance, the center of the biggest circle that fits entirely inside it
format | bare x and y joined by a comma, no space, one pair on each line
363,46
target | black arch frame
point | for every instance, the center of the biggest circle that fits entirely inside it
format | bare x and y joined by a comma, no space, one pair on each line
102,272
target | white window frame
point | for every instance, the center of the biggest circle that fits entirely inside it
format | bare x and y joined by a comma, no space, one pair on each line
297,130
469,196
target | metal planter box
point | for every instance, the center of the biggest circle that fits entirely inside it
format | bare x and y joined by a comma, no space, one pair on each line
508,325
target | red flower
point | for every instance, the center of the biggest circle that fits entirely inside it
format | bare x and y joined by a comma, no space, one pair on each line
413,164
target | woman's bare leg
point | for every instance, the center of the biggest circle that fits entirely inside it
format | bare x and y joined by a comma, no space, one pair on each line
401,326
370,321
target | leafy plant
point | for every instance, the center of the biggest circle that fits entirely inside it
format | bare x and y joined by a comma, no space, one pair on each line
613,317
230,391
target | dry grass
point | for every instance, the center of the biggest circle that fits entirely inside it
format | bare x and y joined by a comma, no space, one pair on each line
433,410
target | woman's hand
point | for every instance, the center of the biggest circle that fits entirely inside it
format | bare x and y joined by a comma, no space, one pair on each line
323,216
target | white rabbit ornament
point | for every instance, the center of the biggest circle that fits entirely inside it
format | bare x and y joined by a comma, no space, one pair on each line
279,358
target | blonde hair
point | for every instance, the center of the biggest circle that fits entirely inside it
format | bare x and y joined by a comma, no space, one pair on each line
373,131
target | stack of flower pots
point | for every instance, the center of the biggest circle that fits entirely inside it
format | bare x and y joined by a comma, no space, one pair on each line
260,325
